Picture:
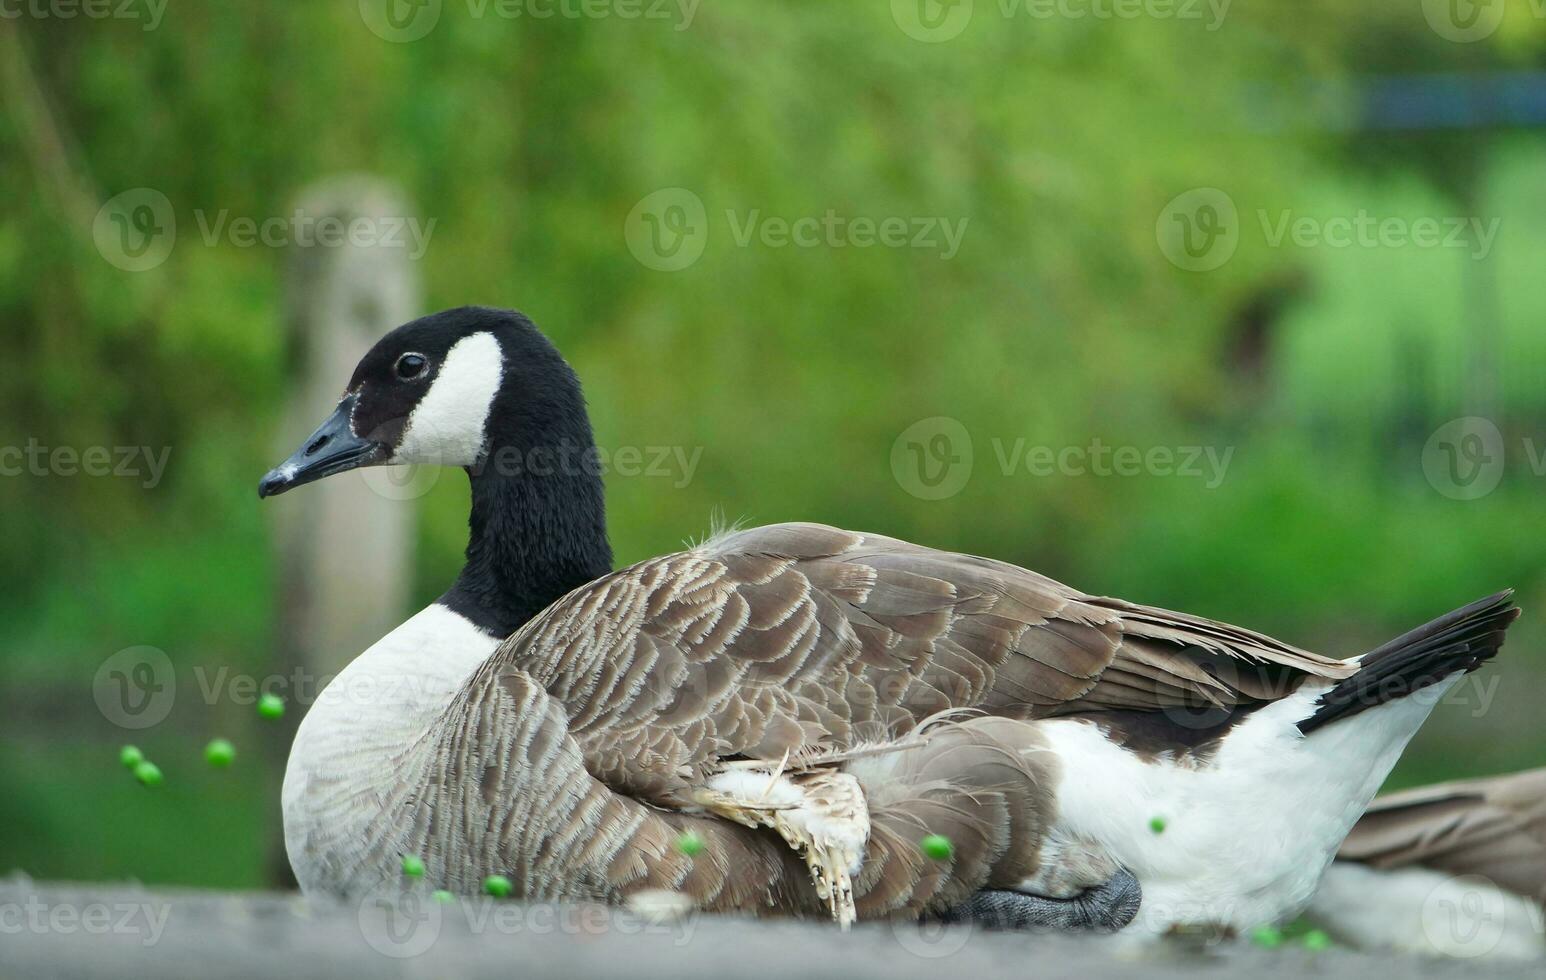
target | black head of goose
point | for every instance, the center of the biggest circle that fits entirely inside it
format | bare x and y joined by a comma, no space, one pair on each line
753,678
482,390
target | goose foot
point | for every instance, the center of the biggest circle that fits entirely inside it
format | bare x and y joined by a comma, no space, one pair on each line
1104,908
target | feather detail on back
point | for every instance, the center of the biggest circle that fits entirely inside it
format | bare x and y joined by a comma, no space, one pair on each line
782,638
504,786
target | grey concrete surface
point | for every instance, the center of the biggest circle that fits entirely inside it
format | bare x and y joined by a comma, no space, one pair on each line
69,930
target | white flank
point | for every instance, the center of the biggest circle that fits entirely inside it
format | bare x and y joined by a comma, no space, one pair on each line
1247,834
1419,910
447,426
346,748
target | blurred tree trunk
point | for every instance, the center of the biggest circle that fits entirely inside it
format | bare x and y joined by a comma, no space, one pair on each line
345,549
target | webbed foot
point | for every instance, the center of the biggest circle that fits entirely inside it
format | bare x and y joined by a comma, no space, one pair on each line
1104,908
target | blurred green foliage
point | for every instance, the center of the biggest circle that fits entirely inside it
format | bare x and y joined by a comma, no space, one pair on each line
528,141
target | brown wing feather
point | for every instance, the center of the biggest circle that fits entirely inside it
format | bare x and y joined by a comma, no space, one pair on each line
798,635
1492,827
504,788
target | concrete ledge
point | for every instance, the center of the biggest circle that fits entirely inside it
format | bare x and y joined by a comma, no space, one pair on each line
117,930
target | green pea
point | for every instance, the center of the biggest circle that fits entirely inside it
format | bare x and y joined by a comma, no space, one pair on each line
1157,824
413,866
148,773
442,896
937,846
130,756
219,753
1317,940
1267,937
271,706
690,844
497,885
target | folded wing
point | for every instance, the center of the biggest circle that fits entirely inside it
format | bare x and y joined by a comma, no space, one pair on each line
799,638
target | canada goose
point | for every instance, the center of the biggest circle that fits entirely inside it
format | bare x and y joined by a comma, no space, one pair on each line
1221,767
1458,868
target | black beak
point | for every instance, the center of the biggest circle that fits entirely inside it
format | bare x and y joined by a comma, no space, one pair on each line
333,448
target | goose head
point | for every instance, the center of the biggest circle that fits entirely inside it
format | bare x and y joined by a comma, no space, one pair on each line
484,390
450,389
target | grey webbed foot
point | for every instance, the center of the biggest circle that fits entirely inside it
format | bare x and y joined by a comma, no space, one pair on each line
1105,908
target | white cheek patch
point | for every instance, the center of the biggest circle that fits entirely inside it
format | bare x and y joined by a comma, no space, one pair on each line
447,426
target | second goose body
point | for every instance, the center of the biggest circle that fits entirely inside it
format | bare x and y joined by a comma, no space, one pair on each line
1455,869
1221,767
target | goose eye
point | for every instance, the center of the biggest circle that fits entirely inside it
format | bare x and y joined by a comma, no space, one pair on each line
410,365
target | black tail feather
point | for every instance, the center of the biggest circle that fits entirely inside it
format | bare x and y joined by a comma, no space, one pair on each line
1459,641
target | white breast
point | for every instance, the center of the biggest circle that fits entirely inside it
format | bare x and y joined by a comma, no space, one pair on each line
344,760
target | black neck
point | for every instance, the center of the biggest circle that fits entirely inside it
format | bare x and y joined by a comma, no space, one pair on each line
538,531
